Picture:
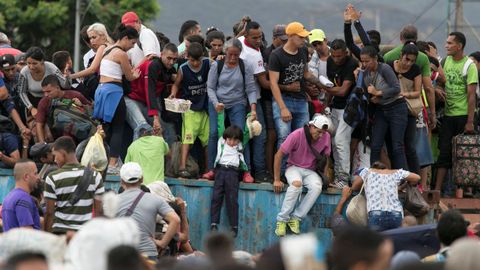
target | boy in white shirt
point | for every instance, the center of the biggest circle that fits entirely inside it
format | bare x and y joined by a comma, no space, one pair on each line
229,167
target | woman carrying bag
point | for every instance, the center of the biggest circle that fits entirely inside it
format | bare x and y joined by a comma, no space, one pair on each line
384,209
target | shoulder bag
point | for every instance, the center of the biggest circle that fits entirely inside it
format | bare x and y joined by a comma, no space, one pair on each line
357,208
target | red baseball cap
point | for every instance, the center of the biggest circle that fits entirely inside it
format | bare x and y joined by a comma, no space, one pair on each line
130,18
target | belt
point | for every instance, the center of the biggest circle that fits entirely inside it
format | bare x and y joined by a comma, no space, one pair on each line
229,167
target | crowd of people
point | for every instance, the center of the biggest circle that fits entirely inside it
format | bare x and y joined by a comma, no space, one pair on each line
303,112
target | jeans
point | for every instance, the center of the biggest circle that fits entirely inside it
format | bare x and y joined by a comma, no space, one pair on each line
137,118
258,144
394,118
411,145
384,220
341,145
311,181
236,114
299,110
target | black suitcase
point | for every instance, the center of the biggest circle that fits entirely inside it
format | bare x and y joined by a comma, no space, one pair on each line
421,239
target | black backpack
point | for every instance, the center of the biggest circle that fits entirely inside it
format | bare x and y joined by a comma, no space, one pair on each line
356,110
241,64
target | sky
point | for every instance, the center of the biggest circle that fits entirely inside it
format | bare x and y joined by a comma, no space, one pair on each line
388,16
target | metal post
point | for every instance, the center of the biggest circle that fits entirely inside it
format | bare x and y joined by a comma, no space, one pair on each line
449,22
76,52
459,15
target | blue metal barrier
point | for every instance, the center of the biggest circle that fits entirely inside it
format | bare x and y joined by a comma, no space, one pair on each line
258,208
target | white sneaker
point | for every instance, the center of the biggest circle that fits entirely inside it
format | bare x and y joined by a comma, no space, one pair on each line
338,184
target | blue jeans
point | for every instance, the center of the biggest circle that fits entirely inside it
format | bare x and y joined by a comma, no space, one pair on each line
137,118
258,143
299,110
384,220
393,118
236,114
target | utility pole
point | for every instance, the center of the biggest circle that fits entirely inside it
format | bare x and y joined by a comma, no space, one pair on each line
76,50
459,22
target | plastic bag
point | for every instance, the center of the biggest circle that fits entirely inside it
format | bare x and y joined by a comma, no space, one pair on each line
95,155
415,203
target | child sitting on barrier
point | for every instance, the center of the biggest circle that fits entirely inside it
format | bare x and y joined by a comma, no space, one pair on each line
229,167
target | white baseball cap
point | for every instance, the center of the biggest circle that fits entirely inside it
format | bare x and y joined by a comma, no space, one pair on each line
320,121
131,172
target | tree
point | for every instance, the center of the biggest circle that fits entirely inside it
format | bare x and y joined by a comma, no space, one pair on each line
51,24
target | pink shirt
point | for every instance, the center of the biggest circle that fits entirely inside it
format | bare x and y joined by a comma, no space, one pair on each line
298,150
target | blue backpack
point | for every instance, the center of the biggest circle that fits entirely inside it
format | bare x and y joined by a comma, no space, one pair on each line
356,111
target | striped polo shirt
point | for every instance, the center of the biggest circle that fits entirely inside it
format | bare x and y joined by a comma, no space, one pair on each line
60,185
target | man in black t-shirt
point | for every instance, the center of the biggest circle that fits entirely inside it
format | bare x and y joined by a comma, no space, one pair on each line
288,68
340,68
278,40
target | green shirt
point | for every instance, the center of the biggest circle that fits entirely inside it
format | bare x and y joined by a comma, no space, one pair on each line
149,152
456,86
422,59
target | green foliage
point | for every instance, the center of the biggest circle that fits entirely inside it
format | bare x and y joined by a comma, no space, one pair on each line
50,24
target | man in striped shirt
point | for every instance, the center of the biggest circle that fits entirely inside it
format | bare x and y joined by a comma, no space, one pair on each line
60,187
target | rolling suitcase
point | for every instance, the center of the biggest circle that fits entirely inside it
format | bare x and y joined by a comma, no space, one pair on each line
421,239
466,160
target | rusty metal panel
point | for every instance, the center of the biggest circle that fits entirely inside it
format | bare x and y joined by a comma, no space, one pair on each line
258,208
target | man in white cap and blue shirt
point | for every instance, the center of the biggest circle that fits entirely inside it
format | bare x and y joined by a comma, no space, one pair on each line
143,208
300,172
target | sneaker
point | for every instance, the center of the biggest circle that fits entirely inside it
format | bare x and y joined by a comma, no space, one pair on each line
247,178
210,175
214,227
338,184
294,225
281,229
234,231
184,174
263,177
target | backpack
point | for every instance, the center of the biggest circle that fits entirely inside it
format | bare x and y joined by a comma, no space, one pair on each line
356,110
67,119
241,64
172,164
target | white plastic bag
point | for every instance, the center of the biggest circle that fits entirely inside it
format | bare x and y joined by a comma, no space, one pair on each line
95,155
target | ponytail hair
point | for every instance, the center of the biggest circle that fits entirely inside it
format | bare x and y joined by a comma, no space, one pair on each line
123,30
379,165
410,49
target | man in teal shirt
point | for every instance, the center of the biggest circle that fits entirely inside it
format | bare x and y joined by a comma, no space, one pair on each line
409,34
459,102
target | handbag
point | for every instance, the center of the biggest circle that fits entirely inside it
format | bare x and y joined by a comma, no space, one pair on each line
415,105
356,211
320,159
415,203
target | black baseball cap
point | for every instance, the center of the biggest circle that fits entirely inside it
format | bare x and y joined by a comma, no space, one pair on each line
40,149
7,60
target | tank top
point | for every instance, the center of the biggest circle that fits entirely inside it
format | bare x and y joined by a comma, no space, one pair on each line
111,69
